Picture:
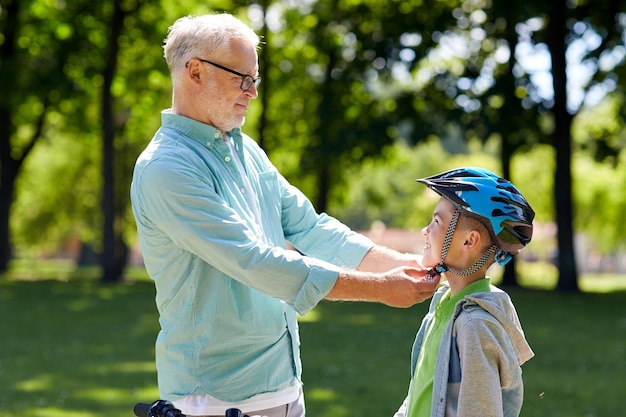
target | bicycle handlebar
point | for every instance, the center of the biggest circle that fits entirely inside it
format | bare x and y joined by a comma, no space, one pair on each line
163,408
160,408
141,409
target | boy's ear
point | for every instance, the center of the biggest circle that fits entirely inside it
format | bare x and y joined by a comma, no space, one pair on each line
472,240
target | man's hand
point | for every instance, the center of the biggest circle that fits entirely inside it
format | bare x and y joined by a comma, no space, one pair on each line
405,286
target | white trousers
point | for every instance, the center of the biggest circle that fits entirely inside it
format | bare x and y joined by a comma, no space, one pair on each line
294,409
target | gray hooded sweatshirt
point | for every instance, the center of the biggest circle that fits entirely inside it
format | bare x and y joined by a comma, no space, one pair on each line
478,371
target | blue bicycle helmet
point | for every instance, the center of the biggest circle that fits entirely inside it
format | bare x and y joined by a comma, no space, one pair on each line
481,194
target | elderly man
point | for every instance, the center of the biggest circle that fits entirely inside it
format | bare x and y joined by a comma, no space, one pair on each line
214,215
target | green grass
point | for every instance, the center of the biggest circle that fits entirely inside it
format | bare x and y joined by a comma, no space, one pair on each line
75,348
81,349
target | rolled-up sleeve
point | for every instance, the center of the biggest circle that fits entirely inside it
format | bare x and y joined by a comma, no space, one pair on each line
319,235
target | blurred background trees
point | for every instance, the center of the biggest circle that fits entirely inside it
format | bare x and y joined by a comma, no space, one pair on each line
358,99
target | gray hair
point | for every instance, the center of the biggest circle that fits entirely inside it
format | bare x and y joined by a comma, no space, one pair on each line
191,36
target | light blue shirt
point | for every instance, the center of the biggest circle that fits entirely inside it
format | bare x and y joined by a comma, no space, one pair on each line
227,289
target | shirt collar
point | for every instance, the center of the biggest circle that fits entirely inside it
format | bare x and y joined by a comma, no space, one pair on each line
198,131
482,285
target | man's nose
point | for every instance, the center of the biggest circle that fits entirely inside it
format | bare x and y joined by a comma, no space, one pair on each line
252,92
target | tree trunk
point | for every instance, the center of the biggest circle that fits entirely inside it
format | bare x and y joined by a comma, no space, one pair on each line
510,140
509,276
325,157
114,252
264,67
11,165
7,187
556,39
9,168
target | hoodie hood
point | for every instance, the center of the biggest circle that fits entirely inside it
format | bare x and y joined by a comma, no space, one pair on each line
498,304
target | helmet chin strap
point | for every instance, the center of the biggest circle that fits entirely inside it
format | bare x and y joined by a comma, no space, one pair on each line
440,268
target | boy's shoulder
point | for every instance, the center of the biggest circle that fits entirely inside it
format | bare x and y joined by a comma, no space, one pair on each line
493,310
494,306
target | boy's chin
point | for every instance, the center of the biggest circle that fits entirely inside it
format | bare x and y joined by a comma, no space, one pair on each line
428,263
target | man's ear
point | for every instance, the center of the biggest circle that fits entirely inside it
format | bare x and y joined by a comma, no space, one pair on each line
194,70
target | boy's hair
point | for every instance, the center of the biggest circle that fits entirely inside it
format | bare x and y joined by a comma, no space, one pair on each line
466,222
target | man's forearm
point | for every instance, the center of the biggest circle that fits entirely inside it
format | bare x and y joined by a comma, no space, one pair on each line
353,285
399,287
381,259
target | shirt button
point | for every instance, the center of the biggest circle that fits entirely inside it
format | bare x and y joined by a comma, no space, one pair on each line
227,158
243,190
216,135
208,144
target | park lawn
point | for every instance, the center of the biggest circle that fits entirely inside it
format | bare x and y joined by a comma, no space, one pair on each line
78,348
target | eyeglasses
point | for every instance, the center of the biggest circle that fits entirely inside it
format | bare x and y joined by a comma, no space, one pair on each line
246,80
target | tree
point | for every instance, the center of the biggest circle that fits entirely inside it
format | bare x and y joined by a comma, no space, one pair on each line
485,110
567,27
10,160
339,102
556,39
101,69
132,36
115,250
470,92
36,45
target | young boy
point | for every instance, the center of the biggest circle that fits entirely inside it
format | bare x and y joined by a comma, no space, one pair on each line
468,352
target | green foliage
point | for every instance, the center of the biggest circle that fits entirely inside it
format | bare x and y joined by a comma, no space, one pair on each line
600,130
344,56
533,174
601,202
60,186
384,188
55,79
59,198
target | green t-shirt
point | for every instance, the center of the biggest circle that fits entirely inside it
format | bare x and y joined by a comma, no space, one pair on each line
421,388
